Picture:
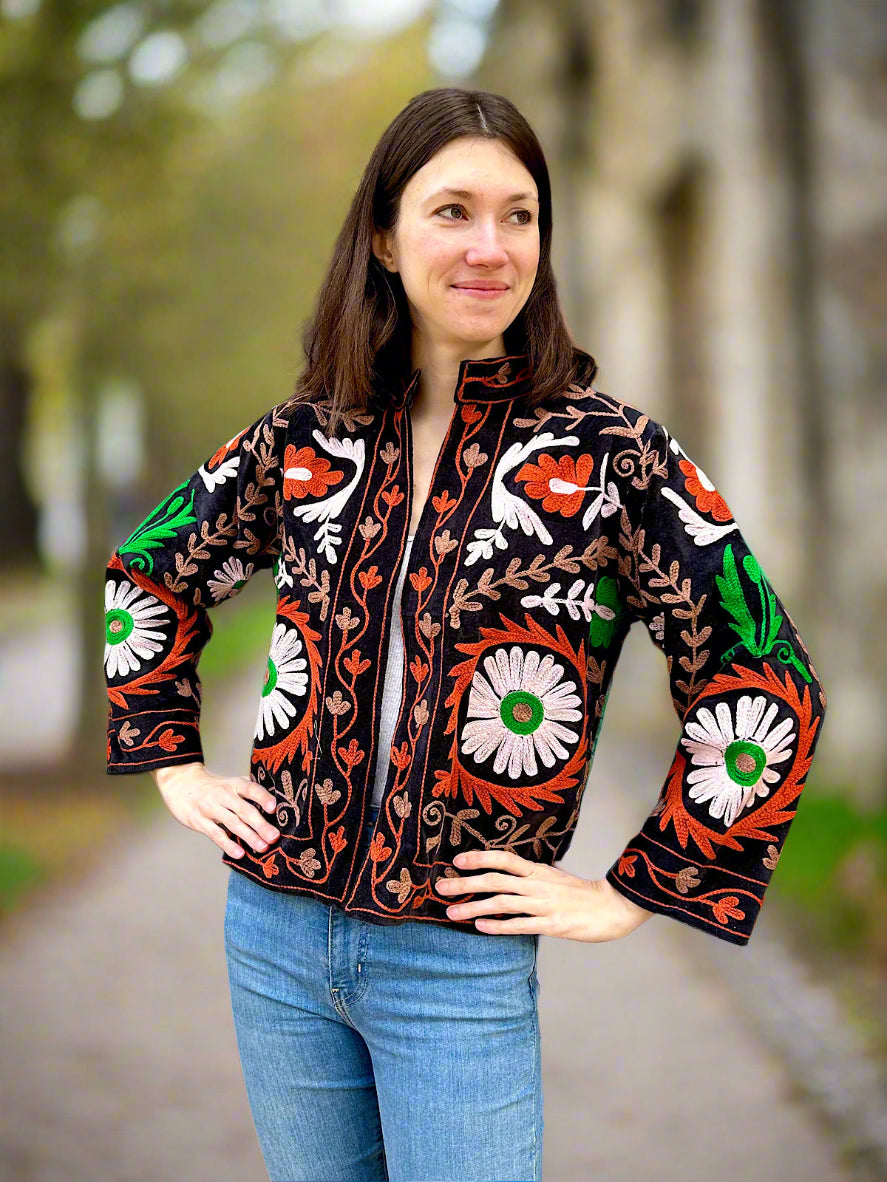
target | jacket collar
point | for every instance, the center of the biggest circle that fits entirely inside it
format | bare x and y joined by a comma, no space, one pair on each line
486,379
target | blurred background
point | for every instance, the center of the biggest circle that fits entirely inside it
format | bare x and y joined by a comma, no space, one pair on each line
173,174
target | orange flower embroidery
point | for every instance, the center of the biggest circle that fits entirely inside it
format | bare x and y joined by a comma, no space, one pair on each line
379,851
626,865
726,908
706,496
306,474
338,841
559,484
169,740
218,456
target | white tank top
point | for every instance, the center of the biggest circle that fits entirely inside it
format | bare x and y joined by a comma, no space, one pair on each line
393,683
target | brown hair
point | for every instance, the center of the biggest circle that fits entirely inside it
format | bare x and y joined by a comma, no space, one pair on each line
360,335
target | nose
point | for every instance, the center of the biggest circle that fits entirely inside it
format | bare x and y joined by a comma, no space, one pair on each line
486,245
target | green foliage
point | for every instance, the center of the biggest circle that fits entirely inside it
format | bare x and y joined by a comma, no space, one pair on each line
20,872
833,868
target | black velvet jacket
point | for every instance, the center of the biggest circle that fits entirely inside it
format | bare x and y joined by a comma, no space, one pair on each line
546,533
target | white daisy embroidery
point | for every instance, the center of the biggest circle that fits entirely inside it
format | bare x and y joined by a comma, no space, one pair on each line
735,762
520,711
229,579
134,627
284,676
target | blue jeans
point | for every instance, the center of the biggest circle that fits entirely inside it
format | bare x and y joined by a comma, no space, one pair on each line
407,1052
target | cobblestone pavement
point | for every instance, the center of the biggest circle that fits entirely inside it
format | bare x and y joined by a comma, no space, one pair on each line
120,1062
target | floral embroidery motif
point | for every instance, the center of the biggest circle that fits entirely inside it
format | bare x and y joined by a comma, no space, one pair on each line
285,676
735,759
707,498
218,468
519,710
230,579
558,484
507,509
307,474
544,536
135,628
701,531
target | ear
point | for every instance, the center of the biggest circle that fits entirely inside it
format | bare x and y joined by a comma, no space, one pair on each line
382,252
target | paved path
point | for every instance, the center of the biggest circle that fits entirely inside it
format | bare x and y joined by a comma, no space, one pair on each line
120,1062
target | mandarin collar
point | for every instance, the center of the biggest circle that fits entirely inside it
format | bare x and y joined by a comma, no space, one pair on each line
484,379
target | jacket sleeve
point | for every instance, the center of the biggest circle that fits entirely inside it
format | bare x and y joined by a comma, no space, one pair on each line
742,685
198,547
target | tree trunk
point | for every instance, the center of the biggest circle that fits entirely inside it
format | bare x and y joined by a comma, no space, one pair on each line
18,522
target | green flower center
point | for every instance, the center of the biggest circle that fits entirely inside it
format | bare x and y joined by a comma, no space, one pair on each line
521,712
118,625
270,678
745,761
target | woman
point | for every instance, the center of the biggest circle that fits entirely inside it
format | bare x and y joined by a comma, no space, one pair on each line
423,742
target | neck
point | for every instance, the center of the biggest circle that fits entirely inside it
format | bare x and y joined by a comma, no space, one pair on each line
439,365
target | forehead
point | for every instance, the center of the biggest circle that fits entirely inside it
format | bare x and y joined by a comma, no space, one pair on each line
468,167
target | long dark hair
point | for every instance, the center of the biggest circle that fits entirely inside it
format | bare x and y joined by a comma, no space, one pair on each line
359,338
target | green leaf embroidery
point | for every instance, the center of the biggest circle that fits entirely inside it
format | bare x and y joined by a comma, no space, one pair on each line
161,525
733,600
602,629
758,637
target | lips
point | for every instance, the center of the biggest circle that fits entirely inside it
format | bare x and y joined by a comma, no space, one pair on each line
481,286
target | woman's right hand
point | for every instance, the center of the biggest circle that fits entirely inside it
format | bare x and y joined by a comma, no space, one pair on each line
203,801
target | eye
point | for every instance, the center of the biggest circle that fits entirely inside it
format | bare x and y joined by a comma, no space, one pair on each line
456,205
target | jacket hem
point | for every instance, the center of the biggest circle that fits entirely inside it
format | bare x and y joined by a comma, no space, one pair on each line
680,913
354,910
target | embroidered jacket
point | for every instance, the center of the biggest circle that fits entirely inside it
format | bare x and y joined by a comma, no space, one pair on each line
546,533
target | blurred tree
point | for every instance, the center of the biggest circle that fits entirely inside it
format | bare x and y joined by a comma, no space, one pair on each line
180,236
53,152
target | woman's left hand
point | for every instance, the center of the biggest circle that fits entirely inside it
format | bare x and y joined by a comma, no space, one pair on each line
556,903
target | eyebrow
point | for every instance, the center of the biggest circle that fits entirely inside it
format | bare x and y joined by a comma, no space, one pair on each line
466,194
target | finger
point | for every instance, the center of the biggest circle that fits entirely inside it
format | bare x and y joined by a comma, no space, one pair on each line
485,906
251,816
250,790
499,859
240,828
215,833
480,882
515,927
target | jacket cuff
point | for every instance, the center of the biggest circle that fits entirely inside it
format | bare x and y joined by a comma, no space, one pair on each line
143,741
721,902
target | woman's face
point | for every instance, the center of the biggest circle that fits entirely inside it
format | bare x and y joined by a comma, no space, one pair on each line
443,242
